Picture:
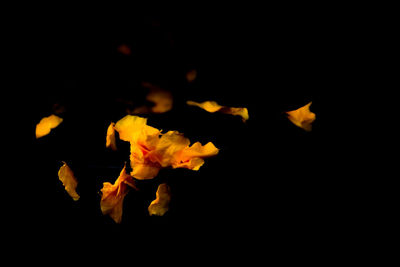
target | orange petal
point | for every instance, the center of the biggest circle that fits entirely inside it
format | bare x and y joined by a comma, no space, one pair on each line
129,127
160,205
192,157
69,181
113,195
212,106
46,124
110,138
302,117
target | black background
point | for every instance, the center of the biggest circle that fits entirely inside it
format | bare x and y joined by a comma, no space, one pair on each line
272,182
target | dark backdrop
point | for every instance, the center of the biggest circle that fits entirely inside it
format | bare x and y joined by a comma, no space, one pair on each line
271,181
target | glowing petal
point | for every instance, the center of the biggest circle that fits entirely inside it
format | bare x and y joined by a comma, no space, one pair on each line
130,127
302,117
192,157
160,205
113,195
69,181
110,138
212,106
46,124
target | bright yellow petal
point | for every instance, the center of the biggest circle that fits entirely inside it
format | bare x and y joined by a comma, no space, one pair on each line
302,117
110,137
46,124
129,127
113,195
160,205
69,181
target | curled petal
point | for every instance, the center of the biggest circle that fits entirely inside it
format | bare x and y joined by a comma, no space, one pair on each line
46,124
302,117
160,205
113,195
212,106
67,177
110,138
192,157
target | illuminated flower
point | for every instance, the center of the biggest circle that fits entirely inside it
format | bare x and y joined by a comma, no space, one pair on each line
113,195
69,181
302,117
46,124
152,150
160,205
212,106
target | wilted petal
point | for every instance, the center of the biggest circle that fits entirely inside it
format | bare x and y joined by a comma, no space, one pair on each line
212,106
113,195
160,205
110,138
69,181
302,117
192,157
46,124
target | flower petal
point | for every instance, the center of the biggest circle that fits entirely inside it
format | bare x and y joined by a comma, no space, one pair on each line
110,137
68,180
129,127
160,205
212,106
46,124
113,195
302,117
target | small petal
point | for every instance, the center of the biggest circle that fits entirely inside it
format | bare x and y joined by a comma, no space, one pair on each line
69,181
160,205
46,124
212,106
110,138
302,117
113,195
192,157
